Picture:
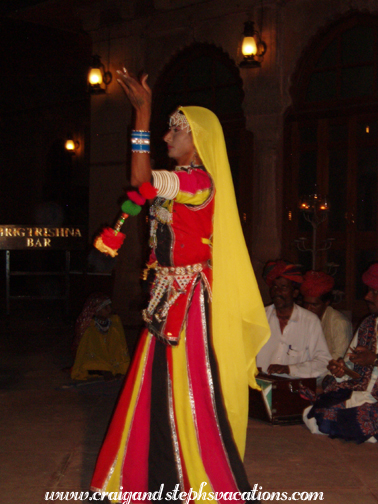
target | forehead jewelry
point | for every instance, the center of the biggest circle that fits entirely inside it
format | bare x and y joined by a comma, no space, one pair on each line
179,119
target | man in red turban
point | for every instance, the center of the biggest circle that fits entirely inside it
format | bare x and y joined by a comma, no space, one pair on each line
284,269
297,346
316,290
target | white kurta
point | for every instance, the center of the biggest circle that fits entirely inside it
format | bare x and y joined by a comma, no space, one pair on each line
301,346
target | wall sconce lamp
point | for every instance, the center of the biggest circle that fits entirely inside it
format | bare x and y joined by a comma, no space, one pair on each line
71,146
252,47
98,77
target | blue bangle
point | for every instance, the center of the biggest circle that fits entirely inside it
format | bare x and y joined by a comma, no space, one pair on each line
143,149
140,141
140,134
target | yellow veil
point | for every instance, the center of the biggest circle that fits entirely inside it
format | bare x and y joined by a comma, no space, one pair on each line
239,324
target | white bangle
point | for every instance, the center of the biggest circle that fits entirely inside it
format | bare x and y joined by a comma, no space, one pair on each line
167,183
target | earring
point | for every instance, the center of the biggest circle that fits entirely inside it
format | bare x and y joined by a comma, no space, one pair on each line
196,159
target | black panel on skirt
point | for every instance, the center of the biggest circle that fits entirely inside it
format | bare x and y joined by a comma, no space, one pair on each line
161,459
228,440
165,239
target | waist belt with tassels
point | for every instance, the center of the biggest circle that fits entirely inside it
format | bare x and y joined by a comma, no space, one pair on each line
171,293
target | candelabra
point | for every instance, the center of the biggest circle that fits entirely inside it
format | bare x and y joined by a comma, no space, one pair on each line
314,209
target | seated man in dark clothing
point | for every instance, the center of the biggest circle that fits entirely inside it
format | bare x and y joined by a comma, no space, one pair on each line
348,409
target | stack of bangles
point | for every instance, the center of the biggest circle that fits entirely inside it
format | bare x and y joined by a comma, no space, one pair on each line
140,141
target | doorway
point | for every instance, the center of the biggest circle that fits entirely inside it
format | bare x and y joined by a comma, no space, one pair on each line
331,147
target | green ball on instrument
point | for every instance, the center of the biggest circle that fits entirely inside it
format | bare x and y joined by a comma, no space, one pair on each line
130,208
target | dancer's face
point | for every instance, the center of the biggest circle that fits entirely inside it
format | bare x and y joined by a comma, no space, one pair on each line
180,143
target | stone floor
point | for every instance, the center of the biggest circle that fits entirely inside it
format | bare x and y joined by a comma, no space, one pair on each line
51,432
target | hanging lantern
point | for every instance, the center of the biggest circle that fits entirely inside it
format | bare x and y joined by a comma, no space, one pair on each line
253,48
70,145
98,77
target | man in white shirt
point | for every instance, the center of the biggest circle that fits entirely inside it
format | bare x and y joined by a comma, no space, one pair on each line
297,346
316,290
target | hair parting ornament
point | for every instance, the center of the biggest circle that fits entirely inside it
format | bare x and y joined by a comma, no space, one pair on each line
179,119
192,127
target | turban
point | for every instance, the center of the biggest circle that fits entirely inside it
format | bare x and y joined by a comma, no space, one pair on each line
284,269
316,283
370,277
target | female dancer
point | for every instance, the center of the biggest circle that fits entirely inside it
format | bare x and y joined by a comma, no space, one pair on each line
180,423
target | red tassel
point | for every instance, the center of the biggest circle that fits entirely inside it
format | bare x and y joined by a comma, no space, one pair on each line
111,240
147,190
136,198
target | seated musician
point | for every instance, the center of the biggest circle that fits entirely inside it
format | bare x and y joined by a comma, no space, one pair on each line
297,346
348,409
316,290
99,343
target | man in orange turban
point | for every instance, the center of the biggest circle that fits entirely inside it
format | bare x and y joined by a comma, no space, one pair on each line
316,290
297,346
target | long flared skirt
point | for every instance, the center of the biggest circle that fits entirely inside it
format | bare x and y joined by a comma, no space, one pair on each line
169,432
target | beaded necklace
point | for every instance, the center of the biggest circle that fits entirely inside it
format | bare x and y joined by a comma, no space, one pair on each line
102,325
